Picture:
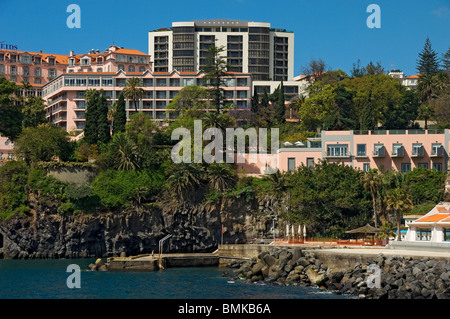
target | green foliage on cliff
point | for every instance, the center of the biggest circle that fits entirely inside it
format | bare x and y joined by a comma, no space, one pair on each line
121,188
13,188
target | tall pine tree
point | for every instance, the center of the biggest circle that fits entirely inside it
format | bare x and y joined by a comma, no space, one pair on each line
280,107
90,127
428,62
96,126
120,118
104,133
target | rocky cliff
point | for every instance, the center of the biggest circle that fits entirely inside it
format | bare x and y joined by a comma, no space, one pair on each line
45,233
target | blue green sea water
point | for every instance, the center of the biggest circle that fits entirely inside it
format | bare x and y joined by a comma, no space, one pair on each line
47,279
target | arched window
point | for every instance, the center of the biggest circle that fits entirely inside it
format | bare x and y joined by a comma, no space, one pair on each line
131,68
121,67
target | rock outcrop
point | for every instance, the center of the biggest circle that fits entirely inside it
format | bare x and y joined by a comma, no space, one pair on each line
45,233
381,278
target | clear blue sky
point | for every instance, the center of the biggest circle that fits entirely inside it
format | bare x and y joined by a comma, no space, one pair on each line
333,30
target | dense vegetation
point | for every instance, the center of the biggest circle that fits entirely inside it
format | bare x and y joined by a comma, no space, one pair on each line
135,169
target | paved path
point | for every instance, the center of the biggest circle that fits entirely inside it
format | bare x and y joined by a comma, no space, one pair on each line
386,252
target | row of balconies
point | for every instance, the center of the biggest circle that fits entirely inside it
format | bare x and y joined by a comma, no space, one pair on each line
380,152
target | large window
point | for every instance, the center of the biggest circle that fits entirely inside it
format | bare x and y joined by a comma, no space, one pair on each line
337,150
291,163
437,167
361,150
406,167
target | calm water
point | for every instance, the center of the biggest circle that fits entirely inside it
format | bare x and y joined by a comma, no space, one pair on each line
46,279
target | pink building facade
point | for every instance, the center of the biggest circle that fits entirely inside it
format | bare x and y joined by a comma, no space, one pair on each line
6,150
34,68
401,150
65,102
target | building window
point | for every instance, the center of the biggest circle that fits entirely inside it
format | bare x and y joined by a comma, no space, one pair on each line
406,167
99,69
361,150
121,67
310,162
446,234
437,149
107,81
37,81
417,149
131,68
437,167
142,69
291,163
366,167
94,82
424,165
188,82
337,150
161,82
423,234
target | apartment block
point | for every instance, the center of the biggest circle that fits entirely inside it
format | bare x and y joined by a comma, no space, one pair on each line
249,47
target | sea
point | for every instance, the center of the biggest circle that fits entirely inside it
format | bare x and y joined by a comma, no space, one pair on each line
57,279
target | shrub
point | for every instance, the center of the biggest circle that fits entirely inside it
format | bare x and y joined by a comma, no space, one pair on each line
119,188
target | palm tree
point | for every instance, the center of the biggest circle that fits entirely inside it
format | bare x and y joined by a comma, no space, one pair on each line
133,91
111,114
426,111
184,178
371,182
398,201
221,176
125,152
279,182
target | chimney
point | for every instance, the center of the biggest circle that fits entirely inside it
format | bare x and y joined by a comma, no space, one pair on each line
71,53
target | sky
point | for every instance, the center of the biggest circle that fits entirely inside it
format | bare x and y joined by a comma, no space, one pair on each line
332,30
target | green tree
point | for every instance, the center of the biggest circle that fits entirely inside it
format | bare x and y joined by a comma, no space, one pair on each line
398,201
428,62
190,98
13,188
43,143
183,179
97,128
280,104
446,60
10,112
221,176
328,198
120,118
33,112
371,182
215,70
124,152
133,91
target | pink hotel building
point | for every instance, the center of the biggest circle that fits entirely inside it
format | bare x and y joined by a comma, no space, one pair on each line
400,150
64,96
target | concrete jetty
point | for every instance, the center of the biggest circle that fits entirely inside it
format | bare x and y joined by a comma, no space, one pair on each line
335,258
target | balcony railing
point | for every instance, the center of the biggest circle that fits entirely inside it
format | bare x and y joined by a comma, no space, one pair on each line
417,151
398,152
437,151
379,152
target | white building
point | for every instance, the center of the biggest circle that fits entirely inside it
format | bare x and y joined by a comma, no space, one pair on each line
408,81
250,47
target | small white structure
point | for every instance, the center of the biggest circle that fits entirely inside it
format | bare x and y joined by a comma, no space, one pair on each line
432,227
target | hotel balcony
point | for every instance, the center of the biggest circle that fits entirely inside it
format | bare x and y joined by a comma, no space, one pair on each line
437,151
379,152
398,152
417,151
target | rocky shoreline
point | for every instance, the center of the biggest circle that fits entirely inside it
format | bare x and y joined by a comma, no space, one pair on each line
383,277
